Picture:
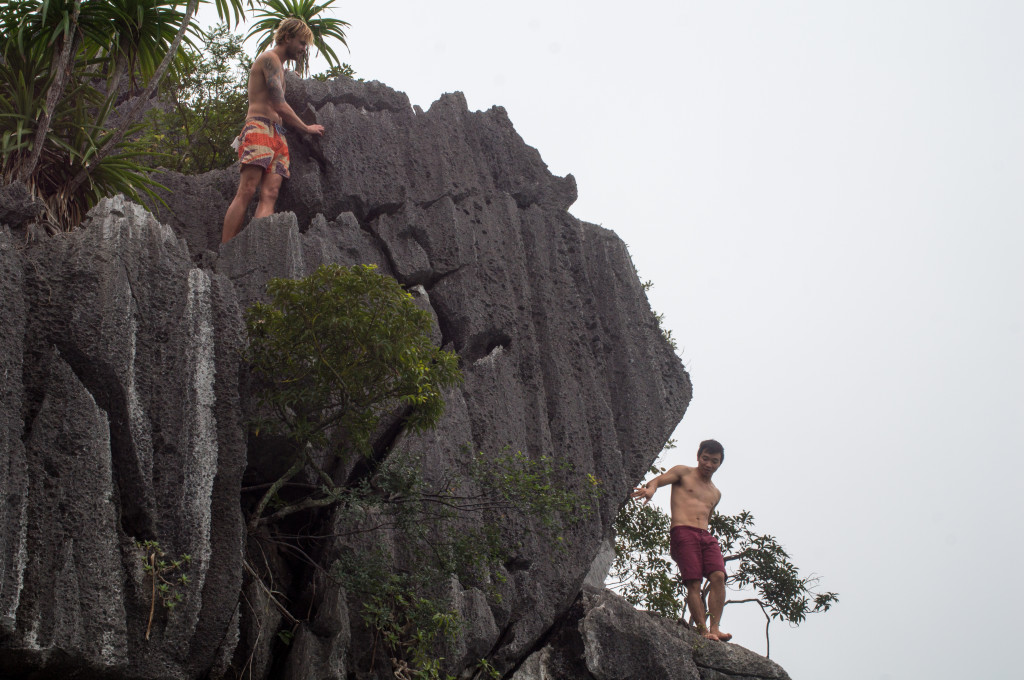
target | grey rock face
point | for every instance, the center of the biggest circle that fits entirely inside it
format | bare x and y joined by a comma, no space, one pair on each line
560,351
72,590
121,359
131,430
17,206
604,638
13,466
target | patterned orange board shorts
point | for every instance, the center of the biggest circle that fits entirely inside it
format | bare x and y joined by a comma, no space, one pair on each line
262,143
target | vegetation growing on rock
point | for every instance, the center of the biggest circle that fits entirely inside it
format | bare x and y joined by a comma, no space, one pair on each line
337,356
334,353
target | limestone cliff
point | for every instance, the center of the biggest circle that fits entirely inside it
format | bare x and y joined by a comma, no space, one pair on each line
124,404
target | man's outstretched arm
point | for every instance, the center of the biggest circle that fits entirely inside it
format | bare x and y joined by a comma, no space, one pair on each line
647,490
274,74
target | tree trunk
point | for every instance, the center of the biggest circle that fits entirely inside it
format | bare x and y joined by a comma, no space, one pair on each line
136,111
60,82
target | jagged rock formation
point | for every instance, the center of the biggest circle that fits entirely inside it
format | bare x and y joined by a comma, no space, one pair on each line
602,637
124,403
121,422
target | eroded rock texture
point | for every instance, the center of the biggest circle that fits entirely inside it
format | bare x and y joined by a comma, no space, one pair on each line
124,403
121,424
602,637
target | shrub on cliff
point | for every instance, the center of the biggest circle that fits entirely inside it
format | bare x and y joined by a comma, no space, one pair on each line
644,574
334,356
203,105
334,353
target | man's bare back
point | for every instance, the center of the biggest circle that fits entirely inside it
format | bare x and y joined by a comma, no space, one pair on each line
266,87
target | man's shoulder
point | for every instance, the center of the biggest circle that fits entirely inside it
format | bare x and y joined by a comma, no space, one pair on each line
680,471
268,58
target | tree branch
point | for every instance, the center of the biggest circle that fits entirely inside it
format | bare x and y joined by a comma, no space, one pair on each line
307,504
270,593
768,622
60,82
295,469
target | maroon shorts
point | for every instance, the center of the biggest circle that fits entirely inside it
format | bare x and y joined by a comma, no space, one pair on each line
696,552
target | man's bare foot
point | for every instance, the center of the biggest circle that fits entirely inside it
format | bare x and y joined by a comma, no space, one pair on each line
707,634
719,635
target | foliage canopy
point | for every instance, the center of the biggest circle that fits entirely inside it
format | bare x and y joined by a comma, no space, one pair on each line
204,103
342,347
334,353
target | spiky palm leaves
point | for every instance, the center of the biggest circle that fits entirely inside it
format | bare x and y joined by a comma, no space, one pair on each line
324,28
49,130
61,70
139,33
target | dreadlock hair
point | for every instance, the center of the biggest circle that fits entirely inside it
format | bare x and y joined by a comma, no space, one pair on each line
295,28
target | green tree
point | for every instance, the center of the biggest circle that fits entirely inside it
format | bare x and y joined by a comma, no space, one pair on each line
644,574
324,28
65,64
137,35
226,9
53,119
333,356
334,353
205,101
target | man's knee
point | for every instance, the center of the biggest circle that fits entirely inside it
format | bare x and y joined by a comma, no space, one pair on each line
247,185
245,192
271,187
717,578
692,586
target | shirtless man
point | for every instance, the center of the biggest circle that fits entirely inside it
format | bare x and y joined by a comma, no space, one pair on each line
694,549
263,151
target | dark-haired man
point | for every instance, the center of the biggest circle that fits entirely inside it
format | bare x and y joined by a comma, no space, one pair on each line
694,549
262,150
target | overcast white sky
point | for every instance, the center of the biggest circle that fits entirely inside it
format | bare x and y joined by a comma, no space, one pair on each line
828,199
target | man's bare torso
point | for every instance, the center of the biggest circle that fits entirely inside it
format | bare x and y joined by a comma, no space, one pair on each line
261,90
693,498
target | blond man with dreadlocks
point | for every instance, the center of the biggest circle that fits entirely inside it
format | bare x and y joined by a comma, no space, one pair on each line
262,149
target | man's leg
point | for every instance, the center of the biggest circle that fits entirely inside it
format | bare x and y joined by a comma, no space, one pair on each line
695,604
716,603
268,195
247,183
